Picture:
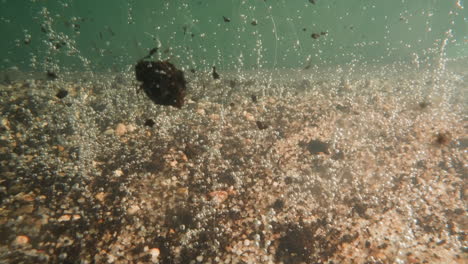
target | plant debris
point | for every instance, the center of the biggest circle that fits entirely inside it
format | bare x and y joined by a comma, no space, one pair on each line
162,82
215,74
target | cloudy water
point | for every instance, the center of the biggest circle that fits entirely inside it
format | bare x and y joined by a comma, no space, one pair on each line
228,131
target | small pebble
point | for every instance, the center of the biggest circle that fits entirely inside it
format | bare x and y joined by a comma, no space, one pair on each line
131,128
249,116
100,196
215,117
154,253
182,191
21,240
120,129
62,94
218,196
201,111
118,173
64,218
133,209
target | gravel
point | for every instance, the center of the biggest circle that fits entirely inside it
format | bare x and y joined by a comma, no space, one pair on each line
308,172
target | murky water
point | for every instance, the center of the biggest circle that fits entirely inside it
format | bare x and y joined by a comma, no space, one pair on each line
251,131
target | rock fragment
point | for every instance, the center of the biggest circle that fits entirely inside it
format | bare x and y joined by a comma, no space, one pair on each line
120,129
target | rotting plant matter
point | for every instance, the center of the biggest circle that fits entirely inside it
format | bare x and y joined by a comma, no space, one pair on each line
162,82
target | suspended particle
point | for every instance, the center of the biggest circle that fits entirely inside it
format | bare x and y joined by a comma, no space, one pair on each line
313,1
254,23
76,27
315,35
215,74
59,45
152,51
109,29
226,19
51,75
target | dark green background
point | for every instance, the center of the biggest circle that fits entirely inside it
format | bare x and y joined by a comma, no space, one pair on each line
359,31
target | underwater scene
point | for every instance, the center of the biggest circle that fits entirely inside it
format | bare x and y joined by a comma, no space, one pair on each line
233,131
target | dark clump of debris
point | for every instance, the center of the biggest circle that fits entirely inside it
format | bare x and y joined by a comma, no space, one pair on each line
150,123
315,35
296,245
278,205
51,75
309,243
61,94
443,138
215,74
261,125
162,82
316,147
424,104
254,98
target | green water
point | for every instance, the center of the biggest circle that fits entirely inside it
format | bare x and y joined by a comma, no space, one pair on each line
114,34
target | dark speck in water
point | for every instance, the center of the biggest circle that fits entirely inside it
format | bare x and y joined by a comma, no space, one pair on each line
51,75
215,74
